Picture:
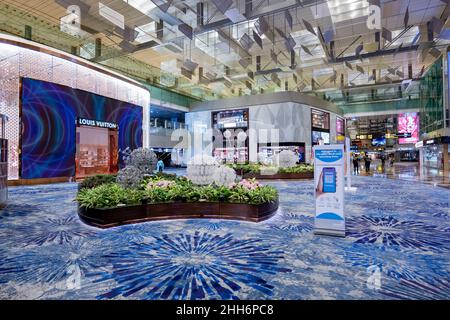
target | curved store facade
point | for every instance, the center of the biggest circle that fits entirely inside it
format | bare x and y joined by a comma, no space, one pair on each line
67,117
271,122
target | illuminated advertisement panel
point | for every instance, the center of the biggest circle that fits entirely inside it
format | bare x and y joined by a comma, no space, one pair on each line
408,123
340,130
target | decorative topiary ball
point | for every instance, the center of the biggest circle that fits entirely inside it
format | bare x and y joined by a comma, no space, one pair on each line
143,159
224,176
264,159
129,177
286,159
201,168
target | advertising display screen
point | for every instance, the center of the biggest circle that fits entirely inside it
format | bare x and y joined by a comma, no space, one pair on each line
230,119
340,127
49,115
320,119
318,136
379,141
408,123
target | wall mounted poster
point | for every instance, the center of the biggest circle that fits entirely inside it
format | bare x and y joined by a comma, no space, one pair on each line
329,190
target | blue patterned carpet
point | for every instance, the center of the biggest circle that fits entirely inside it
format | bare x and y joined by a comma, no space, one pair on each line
397,247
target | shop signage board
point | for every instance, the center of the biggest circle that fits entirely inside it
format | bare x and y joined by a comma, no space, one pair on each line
329,163
96,123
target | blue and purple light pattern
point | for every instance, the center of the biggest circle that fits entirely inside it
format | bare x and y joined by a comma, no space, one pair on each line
49,113
399,228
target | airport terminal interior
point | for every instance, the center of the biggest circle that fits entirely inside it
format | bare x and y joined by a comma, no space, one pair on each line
224,149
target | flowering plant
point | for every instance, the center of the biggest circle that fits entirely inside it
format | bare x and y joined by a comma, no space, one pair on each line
160,184
249,184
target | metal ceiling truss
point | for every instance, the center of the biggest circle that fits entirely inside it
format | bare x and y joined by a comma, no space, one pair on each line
219,36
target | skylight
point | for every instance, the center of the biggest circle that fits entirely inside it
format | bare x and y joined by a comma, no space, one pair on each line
144,6
342,10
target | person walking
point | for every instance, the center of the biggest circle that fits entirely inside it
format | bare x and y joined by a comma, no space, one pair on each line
367,161
160,166
355,164
383,161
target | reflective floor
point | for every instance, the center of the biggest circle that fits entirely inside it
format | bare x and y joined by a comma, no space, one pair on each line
397,247
407,171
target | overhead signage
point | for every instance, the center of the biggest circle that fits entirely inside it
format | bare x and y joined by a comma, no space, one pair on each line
438,140
97,123
329,189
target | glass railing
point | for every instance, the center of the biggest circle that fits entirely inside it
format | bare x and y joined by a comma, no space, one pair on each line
165,127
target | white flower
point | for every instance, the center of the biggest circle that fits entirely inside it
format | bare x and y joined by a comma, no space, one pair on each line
224,176
201,168
286,159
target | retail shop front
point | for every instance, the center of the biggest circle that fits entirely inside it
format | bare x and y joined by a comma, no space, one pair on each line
435,154
67,117
73,133
254,129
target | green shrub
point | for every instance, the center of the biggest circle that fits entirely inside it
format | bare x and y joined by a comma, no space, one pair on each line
209,193
239,195
103,196
157,195
112,194
302,168
97,180
165,176
133,196
256,168
262,194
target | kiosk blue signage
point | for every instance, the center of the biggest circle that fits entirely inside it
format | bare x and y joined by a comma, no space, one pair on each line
329,155
329,190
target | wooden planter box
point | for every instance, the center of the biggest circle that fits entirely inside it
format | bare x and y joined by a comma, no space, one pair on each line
111,217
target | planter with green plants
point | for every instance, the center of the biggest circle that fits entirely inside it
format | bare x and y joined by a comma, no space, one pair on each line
169,197
97,180
259,171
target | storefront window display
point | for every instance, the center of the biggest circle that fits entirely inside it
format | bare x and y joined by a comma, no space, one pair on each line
266,152
232,144
433,156
97,151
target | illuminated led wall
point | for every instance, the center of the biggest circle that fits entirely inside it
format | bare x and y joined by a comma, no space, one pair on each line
17,62
408,123
49,113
